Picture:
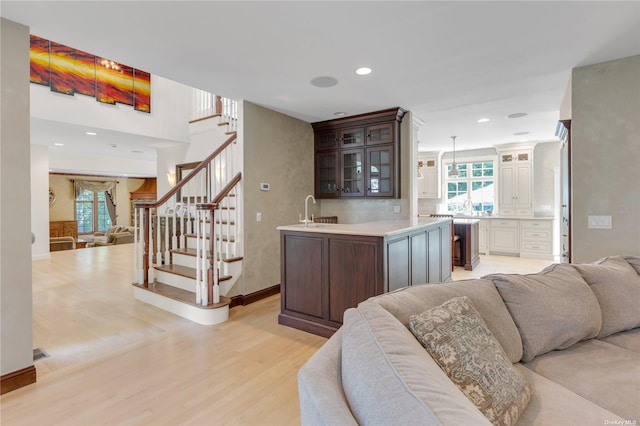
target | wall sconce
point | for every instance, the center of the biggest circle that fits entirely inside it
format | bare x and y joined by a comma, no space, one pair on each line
171,178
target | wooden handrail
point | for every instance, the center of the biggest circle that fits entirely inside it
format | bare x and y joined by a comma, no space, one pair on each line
193,172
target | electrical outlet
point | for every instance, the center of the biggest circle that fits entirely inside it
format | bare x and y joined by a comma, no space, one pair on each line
396,209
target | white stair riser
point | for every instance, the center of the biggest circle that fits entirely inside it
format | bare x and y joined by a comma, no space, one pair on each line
191,243
178,281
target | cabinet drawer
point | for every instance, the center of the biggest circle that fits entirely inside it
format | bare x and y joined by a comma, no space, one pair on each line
535,235
504,223
536,224
524,212
536,247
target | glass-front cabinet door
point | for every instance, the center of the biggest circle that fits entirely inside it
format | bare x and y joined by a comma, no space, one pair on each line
327,184
380,173
325,141
351,138
352,173
381,133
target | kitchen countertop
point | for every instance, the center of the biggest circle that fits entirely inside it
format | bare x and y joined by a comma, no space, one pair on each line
383,228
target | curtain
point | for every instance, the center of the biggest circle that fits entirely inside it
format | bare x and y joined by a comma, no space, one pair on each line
109,188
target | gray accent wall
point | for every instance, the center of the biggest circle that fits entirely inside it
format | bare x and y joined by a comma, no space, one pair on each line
605,144
278,150
16,336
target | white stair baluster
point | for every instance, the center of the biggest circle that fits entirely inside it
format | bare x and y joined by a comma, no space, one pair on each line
150,268
198,268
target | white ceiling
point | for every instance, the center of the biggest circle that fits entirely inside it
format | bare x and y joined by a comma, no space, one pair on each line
450,63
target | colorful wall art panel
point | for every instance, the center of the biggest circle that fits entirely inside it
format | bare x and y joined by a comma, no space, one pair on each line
141,90
39,58
69,71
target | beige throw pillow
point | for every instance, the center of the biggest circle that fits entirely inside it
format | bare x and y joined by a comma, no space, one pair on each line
617,287
458,339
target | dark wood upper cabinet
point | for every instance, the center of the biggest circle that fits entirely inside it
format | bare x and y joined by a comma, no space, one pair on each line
358,156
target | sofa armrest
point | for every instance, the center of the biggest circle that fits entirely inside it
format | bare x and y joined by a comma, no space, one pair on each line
99,234
322,400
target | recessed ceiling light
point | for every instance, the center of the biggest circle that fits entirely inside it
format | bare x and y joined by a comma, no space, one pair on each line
517,115
363,71
90,133
58,144
520,133
113,145
484,120
324,81
340,114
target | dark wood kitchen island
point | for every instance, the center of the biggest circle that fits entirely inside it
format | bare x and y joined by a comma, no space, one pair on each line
328,268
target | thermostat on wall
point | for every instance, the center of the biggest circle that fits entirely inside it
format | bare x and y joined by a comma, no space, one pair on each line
264,187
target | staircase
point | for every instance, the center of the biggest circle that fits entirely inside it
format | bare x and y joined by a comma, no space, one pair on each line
187,253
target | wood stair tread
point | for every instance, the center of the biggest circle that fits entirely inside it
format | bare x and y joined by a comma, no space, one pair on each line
181,295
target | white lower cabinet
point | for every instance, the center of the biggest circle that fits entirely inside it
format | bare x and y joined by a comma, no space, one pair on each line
504,236
536,238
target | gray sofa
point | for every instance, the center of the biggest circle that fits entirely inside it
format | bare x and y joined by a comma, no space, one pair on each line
570,333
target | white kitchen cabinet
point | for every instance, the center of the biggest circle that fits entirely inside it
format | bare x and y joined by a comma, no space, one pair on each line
536,238
516,183
504,236
429,183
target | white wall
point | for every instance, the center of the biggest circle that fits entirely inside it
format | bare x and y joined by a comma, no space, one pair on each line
40,202
16,335
169,117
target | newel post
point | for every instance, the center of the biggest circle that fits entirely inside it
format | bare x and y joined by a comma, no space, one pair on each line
145,249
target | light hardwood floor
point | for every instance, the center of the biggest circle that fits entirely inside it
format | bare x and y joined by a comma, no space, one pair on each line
115,360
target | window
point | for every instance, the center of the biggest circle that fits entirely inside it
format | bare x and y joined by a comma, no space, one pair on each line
475,182
91,212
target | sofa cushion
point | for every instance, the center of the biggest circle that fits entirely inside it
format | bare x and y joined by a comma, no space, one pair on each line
485,298
552,309
460,342
629,340
554,404
112,229
605,374
617,288
388,377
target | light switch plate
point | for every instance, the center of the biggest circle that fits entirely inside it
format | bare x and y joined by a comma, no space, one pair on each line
600,222
396,209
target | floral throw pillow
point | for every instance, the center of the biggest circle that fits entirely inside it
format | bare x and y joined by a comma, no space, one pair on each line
458,339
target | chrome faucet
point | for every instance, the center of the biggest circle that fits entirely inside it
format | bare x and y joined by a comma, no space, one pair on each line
468,206
306,208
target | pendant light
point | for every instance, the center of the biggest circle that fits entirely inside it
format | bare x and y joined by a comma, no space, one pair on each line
454,167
